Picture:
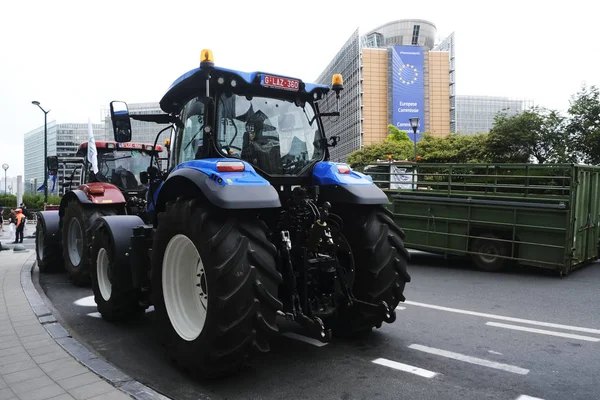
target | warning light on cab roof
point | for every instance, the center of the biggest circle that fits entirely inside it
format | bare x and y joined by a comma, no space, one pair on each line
337,80
206,58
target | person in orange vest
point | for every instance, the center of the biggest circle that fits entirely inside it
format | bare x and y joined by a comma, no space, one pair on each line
20,225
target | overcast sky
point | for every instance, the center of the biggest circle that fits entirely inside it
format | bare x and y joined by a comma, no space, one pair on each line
74,57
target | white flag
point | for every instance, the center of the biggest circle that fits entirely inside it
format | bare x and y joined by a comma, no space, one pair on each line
92,153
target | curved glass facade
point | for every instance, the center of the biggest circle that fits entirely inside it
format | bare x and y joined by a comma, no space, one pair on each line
405,32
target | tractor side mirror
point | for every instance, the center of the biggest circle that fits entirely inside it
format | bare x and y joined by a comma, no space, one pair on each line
144,178
52,162
119,113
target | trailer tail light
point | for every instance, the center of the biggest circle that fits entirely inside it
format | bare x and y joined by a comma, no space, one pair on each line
97,190
230,166
343,169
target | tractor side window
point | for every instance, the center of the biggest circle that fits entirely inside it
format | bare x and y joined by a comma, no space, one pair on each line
191,142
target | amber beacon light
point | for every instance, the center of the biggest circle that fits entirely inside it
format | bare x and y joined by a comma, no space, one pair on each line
206,58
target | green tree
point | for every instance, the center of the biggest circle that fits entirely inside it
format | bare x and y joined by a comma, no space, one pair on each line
400,150
35,202
584,124
454,148
397,135
535,133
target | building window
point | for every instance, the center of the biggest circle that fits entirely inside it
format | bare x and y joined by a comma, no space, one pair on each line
415,35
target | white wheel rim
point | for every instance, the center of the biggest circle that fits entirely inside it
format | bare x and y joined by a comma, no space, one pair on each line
75,242
184,287
102,274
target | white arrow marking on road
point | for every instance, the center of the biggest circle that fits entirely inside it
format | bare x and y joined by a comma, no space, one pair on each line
500,317
405,367
86,302
98,315
525,397
469,359
304,339
543,331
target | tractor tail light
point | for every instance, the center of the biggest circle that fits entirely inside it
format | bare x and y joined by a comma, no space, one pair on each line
343,169
230,166
97,190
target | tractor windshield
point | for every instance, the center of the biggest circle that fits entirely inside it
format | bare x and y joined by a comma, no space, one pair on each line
122,168
277,136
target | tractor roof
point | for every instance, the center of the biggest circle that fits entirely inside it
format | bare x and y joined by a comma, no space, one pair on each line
112,145
192,84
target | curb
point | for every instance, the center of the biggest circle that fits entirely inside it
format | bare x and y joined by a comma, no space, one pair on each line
102,368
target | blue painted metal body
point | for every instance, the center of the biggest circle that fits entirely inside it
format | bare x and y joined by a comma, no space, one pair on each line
326,173
208,166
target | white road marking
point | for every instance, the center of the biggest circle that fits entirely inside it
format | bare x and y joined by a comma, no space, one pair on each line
400,308
86,302
98,315
543,331
405,367
469,359
494,352
500,317
304,339
525,397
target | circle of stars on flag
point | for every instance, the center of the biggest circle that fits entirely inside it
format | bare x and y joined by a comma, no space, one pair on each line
408,68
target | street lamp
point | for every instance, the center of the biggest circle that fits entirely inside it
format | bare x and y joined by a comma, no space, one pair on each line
414,124
5,167
37,103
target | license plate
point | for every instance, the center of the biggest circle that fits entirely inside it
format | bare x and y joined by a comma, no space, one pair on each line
129,145
280,83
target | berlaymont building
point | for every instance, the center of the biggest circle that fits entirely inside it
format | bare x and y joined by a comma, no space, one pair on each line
397,71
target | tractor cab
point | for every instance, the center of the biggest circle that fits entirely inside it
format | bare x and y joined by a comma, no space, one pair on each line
271,122
124,165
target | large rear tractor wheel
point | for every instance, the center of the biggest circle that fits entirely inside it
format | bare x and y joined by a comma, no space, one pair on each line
47,250
112,284
215,287
76,238
380,261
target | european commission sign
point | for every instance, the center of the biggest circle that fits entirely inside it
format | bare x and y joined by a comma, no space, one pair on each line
408,92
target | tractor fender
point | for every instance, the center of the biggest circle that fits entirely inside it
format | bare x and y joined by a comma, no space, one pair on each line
111,195
120,229
235,192
51,225
338,183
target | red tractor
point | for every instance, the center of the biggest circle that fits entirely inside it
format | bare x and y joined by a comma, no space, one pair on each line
119,187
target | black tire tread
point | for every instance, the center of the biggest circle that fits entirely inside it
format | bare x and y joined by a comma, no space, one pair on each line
381,265
244,310
123,303
53,259
87,215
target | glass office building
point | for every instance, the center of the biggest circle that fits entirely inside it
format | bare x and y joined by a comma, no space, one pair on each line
63,141
392,73
475,114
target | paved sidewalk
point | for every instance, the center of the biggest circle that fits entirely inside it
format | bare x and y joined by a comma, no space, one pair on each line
33,366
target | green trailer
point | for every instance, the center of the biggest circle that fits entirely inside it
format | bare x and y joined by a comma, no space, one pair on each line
541,215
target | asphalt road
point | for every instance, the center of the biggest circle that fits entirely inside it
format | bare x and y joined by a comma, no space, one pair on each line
462,334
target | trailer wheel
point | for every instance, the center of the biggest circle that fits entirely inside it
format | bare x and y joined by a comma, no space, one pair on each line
48,253
492,247
214,282
112,284
381,267
76,238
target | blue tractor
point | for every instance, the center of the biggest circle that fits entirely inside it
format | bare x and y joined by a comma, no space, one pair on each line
250,222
